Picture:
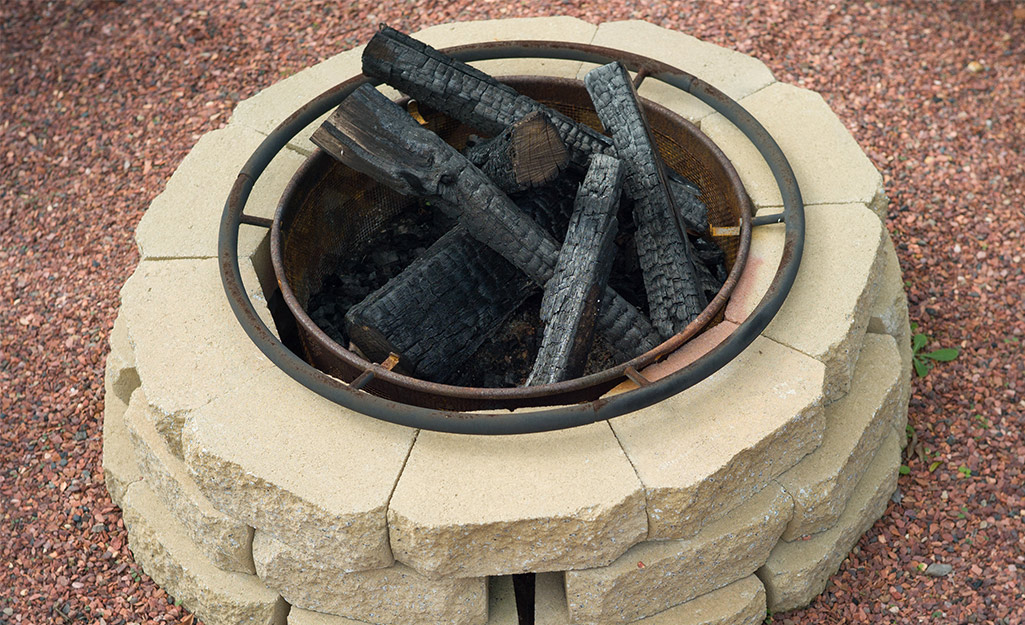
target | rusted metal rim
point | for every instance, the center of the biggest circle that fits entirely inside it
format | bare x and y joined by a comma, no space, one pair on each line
534,420
584,388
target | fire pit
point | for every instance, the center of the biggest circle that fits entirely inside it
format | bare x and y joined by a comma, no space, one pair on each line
722,476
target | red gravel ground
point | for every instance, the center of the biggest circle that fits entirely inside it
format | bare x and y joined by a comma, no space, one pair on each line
101,100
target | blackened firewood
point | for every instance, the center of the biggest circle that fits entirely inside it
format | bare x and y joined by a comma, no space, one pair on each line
372,134
687,198
478,100
710,261
571,300
437,312
466,93
674,294
525,155
440,309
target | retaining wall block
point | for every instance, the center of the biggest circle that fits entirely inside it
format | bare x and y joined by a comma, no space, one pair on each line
655,575
797,571
396,595
166,554
225,541
826,313
829,165
823,481
469,506
703,452
309,472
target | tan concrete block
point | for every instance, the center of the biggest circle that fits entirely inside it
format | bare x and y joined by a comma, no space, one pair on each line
468,506
119,467
554,28
656,575
740,603
189,347
826,313
736,74
167,555
313,474
828,163
120,377
706,450
226,542
264,111
796,572
396,595
823,481
298,616
889,315
184,220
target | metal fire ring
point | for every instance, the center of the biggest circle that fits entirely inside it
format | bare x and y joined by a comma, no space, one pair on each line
535,420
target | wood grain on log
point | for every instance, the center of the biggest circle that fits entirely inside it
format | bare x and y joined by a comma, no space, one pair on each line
674,293
525,155
466,93
438,311
372,134
571,299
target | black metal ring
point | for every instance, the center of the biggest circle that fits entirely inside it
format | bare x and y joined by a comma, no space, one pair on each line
523,421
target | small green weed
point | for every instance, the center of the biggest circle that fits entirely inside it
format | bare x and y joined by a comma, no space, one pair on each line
925,361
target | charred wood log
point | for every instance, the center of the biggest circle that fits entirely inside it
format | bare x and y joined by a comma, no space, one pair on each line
466,93
572,296
674,293
525,155
478,100
372,134
440,309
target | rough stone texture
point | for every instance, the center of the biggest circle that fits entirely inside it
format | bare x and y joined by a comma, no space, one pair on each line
465,504
829,165
822,482
703,452
797,571
889,315
736,74
184,220
298,616
827,311
396,595
189,348
167,555
120,377
740,603
312,474
655,575
119,467
226,542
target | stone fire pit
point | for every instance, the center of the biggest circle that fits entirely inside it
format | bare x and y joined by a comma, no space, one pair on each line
253,500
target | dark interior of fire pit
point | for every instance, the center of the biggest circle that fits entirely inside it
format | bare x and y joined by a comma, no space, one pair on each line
343,235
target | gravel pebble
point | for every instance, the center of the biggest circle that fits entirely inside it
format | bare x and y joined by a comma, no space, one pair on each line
102,100
938,570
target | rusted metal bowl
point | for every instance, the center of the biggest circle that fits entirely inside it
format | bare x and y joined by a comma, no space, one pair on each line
329,211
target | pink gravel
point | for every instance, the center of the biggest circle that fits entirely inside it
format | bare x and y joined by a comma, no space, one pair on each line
101,100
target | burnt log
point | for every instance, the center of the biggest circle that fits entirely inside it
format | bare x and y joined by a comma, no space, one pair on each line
372,134
441,308
478,100
438,311
671,283
571,299
466,93
525,155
